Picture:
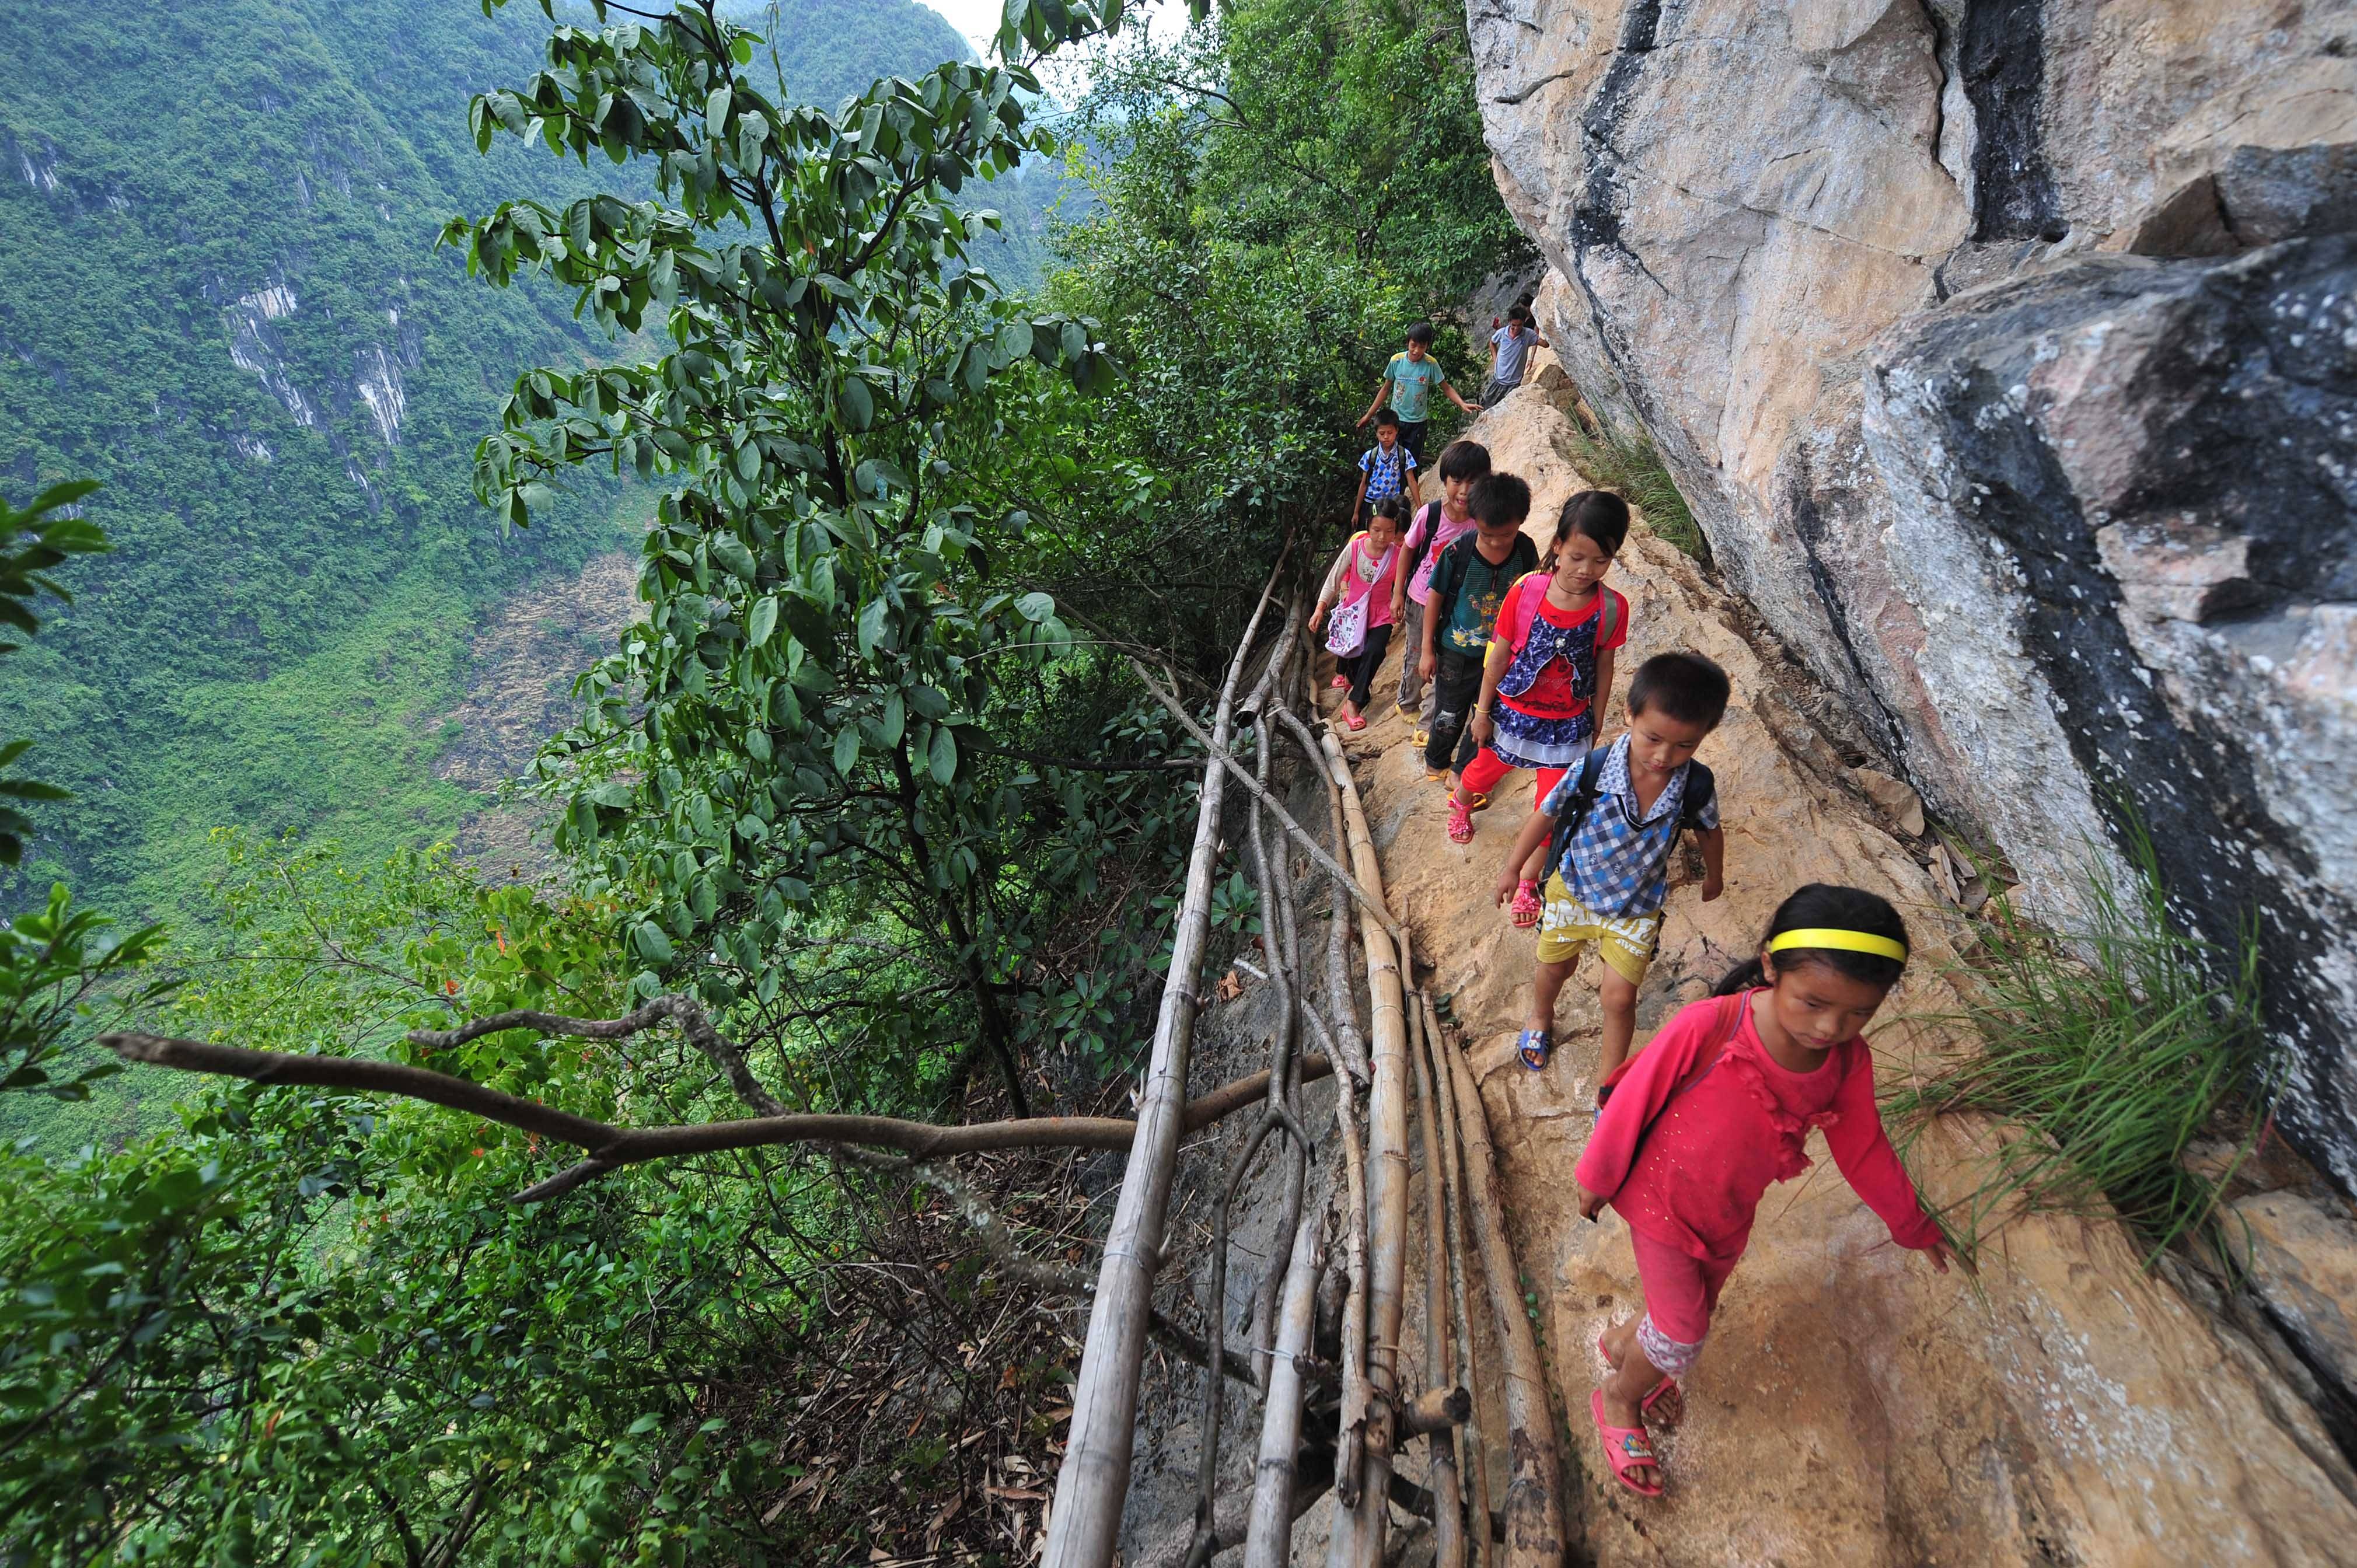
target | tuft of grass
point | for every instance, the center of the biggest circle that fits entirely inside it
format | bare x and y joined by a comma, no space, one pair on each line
1634,469
2105,1052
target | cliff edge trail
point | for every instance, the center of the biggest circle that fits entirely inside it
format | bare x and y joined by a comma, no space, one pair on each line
1852,1407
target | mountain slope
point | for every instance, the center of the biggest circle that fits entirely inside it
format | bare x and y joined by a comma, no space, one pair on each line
217,224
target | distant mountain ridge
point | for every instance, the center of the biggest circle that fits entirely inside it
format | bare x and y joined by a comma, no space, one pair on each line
220,296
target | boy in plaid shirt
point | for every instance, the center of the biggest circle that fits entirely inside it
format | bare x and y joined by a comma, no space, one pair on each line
1611,825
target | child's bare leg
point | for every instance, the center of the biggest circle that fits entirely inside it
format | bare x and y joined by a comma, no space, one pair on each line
1624,1395
1619,999
1545,986
1535,868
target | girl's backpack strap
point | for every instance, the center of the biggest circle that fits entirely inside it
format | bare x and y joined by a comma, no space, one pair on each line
1526,607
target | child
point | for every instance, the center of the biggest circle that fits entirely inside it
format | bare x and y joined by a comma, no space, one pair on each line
1745,1075
1469,583
1386,470
1509,351
1438,525
1549,669
1360,583
1409,381
1610,829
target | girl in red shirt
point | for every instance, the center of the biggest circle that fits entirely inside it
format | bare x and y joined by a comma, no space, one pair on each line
1695,1127
1549,671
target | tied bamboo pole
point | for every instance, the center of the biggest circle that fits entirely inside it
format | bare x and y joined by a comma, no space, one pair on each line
1268,1537
1534,1526
1357,1538
1468,1370
1447,1498
1094,1478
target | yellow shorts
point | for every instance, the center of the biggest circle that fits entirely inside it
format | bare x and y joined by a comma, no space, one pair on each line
1626,943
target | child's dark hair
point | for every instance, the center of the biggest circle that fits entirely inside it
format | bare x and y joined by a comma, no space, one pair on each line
1500,498
1682,686
1389,417
1421,333
1820,906
1600,515
1521,312
1462,459
1390,507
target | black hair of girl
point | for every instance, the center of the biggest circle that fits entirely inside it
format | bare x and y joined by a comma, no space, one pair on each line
1390,507
1821,906
1599,514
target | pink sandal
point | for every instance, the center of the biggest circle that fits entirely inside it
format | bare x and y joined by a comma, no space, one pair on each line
1625,1449
1357,721
1461,821
1662,1390
1341,682
1526,907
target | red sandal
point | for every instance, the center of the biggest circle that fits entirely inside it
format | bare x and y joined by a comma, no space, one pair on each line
1461,821
1626,1450
1527,906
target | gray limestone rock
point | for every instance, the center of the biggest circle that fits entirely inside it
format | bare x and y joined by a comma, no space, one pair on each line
2007,351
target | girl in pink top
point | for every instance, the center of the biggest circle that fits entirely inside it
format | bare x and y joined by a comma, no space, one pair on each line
1359,582
1695,1127
1435,526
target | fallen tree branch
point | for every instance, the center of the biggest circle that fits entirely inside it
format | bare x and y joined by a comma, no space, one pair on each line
609,1146
684,1011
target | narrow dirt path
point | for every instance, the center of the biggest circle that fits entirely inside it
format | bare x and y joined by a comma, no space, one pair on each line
1853,1408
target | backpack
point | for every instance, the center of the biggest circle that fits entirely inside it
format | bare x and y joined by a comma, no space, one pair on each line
1443,610
1701,790
1723,1030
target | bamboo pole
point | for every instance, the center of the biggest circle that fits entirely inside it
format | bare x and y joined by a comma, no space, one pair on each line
1534,1527
1355,1303
1268,1538
1448,1499
1469,1373
1094,1478
1357,1538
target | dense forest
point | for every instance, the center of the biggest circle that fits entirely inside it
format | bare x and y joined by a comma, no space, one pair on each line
868,812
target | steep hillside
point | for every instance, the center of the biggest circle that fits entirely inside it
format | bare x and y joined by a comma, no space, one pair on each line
224,301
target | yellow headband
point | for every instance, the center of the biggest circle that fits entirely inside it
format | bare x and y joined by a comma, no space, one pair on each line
1847,942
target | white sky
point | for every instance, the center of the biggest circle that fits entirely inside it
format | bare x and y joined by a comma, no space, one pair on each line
978,19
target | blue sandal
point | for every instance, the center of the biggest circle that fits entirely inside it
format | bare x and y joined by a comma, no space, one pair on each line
1535,1046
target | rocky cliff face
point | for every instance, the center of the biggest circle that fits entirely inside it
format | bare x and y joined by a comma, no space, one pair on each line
2007,351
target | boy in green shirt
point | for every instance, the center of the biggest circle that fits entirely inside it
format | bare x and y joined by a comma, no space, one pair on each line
1469,584
1409,382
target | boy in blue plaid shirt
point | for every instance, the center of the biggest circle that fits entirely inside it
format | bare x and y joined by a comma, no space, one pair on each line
1611,825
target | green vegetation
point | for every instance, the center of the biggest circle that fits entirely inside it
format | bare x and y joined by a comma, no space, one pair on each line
870,781
1634,469
2104,1054
226,303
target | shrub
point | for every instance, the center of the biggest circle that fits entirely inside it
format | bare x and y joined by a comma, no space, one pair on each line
1634,469
2105,1053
